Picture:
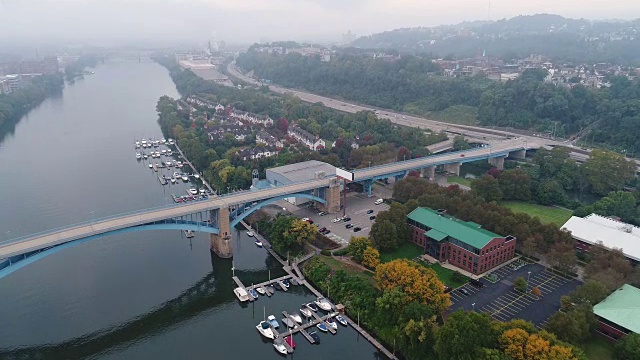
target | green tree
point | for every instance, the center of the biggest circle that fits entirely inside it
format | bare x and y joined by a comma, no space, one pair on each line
459,143
515,184
591,292
520,284
628,348
384,235
487,187
607,171
551,192
463,336
618,203
357,246
574,326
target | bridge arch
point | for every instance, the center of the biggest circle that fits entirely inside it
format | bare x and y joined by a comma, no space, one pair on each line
14,263
238,218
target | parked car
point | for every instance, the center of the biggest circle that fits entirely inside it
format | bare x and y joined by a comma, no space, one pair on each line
379,201
370,212
347,219
447,289
305,219
349,226
373,217
356,229
322,229
336,220
464,291
327,231
310,221
477,283
322,213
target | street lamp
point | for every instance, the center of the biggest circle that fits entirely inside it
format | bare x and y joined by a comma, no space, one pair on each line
528,276
474,306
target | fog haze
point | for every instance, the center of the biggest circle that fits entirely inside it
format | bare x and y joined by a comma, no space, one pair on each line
106,22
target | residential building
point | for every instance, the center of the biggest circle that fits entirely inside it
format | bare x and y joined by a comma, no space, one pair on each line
307,139
13,82
239,132
619,314
269,140
4,86
461,243
604,231
257,153
244,116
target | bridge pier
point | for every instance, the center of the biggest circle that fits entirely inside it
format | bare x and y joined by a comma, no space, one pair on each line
332,196
429,172
518,154
498,162
221,242
453,168
368,185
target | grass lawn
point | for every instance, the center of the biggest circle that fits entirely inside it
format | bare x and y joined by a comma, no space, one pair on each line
546,214
408,250
445,275
597,348
457,114
459,180
351,270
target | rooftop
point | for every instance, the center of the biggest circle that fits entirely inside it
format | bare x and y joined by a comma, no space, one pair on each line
303,171
467,232
621,308
596,229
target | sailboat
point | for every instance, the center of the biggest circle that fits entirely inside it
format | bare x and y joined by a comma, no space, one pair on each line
264,327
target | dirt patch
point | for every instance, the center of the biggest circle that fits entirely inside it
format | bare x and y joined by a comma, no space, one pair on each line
324,243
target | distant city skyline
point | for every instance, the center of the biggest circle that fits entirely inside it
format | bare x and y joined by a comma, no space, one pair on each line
109,22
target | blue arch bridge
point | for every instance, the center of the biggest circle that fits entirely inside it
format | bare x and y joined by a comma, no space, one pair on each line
217,215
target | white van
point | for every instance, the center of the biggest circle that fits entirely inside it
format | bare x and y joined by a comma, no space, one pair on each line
379,201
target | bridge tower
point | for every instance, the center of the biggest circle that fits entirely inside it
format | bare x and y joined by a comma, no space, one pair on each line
498,162
332,195
221,242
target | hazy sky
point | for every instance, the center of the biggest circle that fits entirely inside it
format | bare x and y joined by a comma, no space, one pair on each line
110,21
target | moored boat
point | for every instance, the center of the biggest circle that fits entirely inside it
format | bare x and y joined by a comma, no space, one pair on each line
249,234
173,181
193,191
312,307
332,322
272,320
341,320
253,293
316,338
286,283
323,304
258,243
289,340
296,317
278,344
261,291
288,322
150,166
241,294
305,310
185,178
322,327
265,329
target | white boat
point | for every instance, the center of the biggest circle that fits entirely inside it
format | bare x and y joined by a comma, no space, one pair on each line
164,152
137,144
173,180
305,310
260,290
185,178
249,234
202,191
138,156
189,233
296,317
169,152
288,322
193,191
341,320
163,140
258,243
241,293
322,327
323,304
150,166
278,344
176,175
197,176
272,320
332,322
145,156
311,306
265,329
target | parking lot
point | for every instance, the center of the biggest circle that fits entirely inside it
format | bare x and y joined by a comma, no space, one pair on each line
502,302
357,209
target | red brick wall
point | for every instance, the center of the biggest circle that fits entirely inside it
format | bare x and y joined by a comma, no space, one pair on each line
610,330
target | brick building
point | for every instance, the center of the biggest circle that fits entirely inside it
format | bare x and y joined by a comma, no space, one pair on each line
461,243
619,314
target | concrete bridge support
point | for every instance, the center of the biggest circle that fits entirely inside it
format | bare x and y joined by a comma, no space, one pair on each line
497,162
453,168
221,242
429,173
332,195
518,154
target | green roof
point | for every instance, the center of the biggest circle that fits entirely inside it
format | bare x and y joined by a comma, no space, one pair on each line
468,233
435,235
622,308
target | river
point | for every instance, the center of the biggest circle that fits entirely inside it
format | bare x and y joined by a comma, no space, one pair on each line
151,294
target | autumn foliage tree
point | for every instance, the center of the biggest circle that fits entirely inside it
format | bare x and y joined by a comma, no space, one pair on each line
371,257
357,246
419,283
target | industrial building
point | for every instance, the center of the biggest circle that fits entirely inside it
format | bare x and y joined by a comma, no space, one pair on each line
619,314
610,233
299,172
463,244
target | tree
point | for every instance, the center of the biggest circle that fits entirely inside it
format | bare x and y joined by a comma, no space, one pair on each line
550,192
487,188
515,184
419,283
628,348
574,326
357,246
512,342
301,231
536,291
384,235
459,143
607,171
282,125
618,203
463,336
591,292
371,257
536,348
563,256
520,284
403,154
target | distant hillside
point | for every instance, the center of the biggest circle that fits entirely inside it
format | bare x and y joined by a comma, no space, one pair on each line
553,35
